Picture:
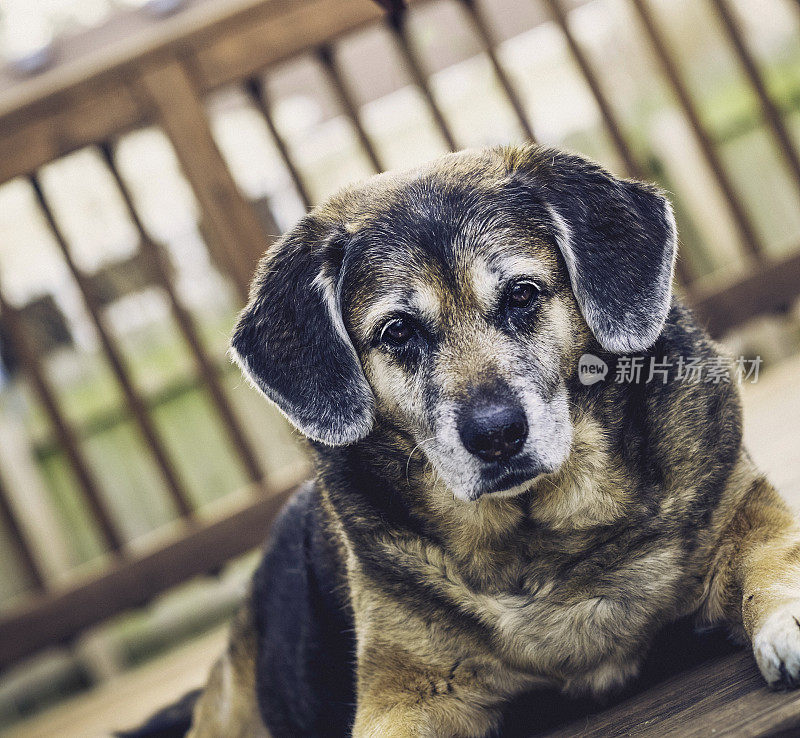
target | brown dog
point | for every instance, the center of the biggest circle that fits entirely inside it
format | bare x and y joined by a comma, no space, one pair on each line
485,520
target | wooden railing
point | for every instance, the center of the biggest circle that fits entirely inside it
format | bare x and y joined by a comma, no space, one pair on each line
163,80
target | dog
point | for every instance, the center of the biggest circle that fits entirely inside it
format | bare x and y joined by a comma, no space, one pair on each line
485,523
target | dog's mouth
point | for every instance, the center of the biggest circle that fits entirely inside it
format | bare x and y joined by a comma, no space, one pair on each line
509,479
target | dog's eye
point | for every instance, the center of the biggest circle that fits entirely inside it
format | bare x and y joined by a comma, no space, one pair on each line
397,331
522,294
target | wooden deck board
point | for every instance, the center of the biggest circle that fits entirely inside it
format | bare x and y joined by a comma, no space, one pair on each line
126,700
723,697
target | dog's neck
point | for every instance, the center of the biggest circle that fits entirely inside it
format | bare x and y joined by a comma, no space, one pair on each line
386,493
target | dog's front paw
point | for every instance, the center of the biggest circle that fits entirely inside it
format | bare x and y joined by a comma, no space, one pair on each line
776,646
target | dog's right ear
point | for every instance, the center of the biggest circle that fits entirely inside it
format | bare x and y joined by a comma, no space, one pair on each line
291,342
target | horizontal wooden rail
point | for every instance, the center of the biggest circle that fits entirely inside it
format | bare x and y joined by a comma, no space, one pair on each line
58,617
100,105
770,288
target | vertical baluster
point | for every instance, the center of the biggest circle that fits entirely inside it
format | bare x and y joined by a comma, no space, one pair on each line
135,402
345,99
186,324
30,565
237,237
658,45
632,166
397,25
481,29
771,113
609,118
29,361
257,90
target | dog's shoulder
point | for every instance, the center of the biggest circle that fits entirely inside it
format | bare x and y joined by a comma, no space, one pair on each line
301,558
689,427
303,622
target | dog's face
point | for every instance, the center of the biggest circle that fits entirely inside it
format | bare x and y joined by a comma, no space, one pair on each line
465,326
452,303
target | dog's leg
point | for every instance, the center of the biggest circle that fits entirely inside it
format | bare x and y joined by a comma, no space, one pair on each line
400,697
228,706
756,582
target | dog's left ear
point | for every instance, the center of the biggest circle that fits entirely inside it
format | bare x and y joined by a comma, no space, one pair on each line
291,342
619,242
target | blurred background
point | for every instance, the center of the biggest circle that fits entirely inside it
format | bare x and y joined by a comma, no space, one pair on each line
150,150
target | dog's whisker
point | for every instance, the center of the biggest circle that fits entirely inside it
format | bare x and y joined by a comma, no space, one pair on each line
408,462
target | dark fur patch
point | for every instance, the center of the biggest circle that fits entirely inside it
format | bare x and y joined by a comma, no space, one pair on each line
306,655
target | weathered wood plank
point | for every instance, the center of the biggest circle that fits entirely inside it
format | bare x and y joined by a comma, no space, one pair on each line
58,617
41,133
237,235
771,288
276,36
726,696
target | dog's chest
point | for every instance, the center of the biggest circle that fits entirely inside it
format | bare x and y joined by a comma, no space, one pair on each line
590,632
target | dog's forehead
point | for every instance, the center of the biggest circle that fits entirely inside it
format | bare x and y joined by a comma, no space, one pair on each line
417,244
423,190
443,212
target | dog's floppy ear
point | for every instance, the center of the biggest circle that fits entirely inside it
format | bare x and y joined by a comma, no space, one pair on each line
619,242
291,342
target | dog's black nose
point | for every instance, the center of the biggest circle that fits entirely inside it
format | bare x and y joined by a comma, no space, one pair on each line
494,431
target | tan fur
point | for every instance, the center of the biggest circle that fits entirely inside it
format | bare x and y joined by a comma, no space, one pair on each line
228,705
558,581
408,688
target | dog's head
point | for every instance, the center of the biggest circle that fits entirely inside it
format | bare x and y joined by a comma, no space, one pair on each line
452,303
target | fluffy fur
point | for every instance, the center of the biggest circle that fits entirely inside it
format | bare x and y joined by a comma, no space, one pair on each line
416,590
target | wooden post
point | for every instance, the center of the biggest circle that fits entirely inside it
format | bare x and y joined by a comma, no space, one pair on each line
236,232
